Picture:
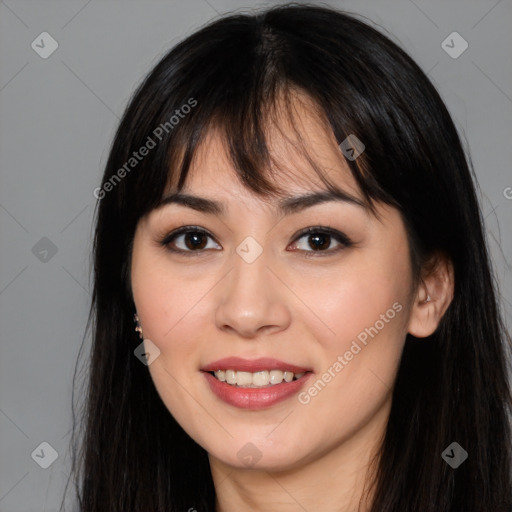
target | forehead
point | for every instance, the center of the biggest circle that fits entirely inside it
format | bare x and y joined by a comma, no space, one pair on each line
298,137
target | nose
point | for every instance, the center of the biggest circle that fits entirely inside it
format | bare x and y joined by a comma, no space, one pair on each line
252,299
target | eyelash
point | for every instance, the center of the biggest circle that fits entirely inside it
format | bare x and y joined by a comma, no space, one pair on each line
343,239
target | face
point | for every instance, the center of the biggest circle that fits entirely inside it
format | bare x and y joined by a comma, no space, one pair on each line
247,283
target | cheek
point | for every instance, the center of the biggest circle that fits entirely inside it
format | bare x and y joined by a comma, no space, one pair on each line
360,337
150,294
153,291
360,350
358,295
172,308
169,310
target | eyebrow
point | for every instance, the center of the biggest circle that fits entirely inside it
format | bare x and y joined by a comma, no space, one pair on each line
287,206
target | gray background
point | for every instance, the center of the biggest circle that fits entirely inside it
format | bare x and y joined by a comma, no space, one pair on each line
58,117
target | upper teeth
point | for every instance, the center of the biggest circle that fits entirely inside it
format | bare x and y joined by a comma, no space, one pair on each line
257,379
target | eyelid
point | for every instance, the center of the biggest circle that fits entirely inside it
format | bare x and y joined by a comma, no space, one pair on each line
339,236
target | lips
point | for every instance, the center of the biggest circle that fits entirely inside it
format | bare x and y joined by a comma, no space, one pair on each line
253,365
255,398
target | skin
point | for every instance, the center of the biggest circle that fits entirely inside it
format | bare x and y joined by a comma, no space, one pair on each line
305,311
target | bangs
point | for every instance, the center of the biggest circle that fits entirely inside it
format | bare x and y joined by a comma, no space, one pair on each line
243,125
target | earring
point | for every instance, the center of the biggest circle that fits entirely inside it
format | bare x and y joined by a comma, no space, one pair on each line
428,299
138,328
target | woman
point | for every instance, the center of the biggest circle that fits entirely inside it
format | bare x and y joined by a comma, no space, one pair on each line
288,214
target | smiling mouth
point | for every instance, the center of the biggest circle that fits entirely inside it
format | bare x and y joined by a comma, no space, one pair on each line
262,379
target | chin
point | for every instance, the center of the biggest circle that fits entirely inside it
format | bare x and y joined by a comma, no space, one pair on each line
259,457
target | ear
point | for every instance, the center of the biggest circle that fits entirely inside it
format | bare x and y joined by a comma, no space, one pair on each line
432,297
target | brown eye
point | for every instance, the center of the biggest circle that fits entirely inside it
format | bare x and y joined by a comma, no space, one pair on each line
319,240
187,239
195,240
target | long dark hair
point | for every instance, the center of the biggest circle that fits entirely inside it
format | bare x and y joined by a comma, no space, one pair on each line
133,456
